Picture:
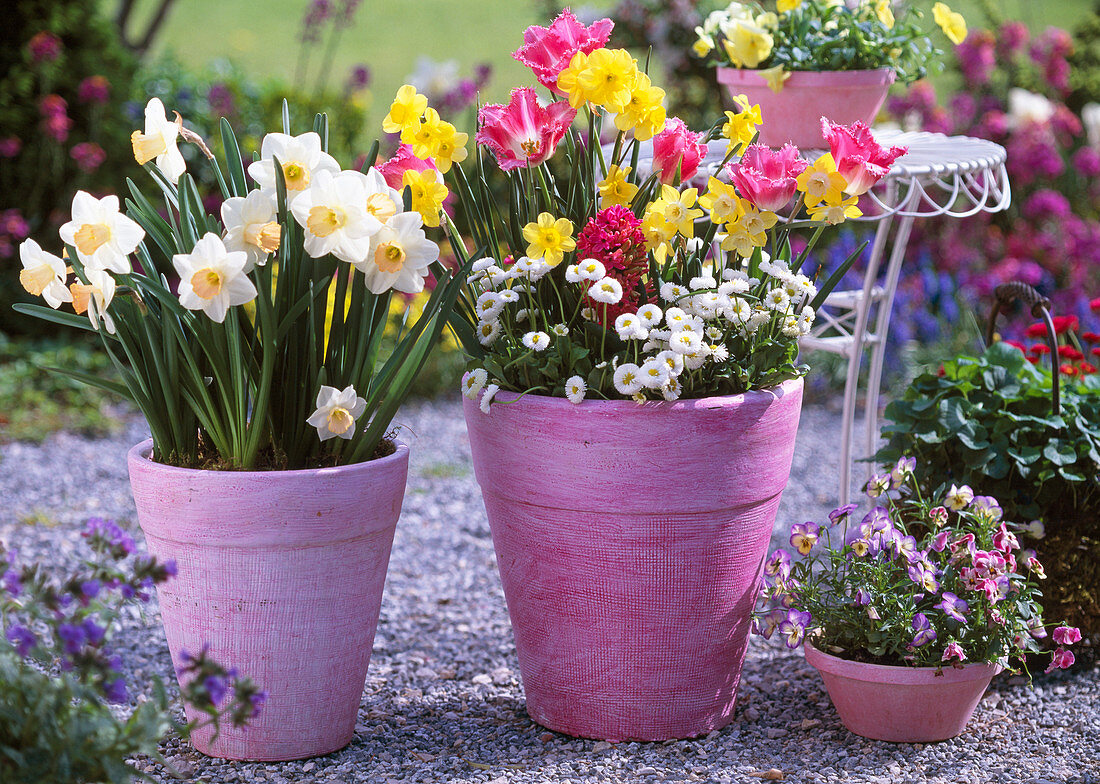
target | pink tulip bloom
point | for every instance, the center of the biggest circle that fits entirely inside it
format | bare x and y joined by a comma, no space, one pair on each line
767,177
523,133
859,158
548,50
676,146
402,161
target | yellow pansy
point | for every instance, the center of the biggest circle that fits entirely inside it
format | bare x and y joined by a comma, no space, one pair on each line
834,211
748,45
951,22
644,112
549,239
615,189
885,13
722,201
821,181
407,109
427,194
786,6
775,77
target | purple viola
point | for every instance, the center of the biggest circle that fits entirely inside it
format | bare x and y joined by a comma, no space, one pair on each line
842,513
793,627
924,631
778,565
954,607
804,537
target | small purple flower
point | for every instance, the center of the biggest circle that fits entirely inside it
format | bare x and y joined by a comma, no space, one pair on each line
839,515
902,469
863,597
1067,635
257,700
766,624
73,637
877,485
100,532
170,568
12,582
778,565
115,691
906,546
793,627
90,589
939,541
1035,628
804,537
924,631
216,687
954,607
877,521
93,631
22,638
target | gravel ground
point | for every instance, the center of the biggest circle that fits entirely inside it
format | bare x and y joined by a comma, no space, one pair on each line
443,701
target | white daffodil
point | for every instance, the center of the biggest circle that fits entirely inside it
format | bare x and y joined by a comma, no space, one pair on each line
103,237
400,256
43,274
212,279
336,412
301,158
628,378
488,332
252,226
575,389
334,215
94,297
473,382
383,202
606,290
536,341
160,142
1027,107
487,397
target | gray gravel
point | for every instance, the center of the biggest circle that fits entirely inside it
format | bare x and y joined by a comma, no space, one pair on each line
443,701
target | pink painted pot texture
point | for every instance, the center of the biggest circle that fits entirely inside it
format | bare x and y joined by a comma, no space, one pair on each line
902,704
281,573
794,113
630,540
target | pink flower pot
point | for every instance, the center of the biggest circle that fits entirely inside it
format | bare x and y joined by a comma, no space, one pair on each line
630,540
281,573
902,704
794,113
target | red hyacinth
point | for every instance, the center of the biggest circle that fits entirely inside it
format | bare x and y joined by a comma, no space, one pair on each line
614,238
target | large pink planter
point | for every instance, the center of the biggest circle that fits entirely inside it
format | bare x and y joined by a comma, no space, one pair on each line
630,541
281,573
902,704
794,113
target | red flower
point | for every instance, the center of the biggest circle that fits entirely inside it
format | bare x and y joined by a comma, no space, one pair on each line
94,89
1096,352
523,133
89,156
1036,330
1033,360
614,238
1070,353
548,50
55,119
1064,324
1091,337
10,146
1087,367
766,177
676,146
1095,305
44,47
1068,369
859,158
1039,349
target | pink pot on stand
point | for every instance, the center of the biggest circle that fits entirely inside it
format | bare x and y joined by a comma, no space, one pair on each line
630,541
794,113
281,573
902,704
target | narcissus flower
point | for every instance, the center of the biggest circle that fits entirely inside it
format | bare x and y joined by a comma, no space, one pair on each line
722,201
252,226
834,210
767,177
301,158
406,110
885,13
400,256
103,236
523,133
747,44
606,80
645,111
775,77
952,23
428,192
549,238
159,142
615,189
43,274
336,412
858,157
740,127
212,278
94,297
786,6
820,181
547,51
333,213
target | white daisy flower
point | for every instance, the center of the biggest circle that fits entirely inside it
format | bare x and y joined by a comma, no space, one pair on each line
301,158
575,389
591,269
560,329
537,341
674,317
650,345
606,290
777,299
589,313
733,287
685,342
706,305
703,282
660,334
212,278
572,275
160,141
488,332
695,361
655,373
739,310
674,361
483,264
672,292
496,276
473,382
509,296
43,274
103,237
672,389
532,269
759,317
731,274
628,379
713,333
792,328
718,352
650,315
336,412
639,397
94,297
252,226
629,327
522,314
487,397
806,319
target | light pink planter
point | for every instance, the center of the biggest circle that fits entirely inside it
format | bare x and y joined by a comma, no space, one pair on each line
902,704
794,113
630,541
281,572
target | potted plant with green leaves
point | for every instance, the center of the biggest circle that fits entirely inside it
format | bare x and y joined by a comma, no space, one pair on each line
810,59
910,613
251,342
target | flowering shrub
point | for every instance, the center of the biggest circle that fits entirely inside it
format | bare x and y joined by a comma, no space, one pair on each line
59,675
593,281
820,35
919,582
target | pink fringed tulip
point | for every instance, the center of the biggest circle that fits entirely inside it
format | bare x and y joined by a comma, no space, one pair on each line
767,177
859,158
548,50
523,133
402,161
677,146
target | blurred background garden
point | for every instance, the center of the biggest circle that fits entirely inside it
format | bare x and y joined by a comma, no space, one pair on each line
76,74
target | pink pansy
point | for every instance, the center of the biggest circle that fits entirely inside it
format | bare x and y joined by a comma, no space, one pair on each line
677,146
548,50
1005,540
1061,660
402,161
1067,635
523,133
859,158
939,543
953,651
766,177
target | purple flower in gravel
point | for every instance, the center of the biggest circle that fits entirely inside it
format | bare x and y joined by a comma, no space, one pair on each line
93,631
90,589
12,582
115,691
100,532
954,607
73,637
924,631
793,627
22,638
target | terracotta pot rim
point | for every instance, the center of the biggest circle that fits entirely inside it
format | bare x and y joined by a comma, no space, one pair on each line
140,453
887,673
517,399
869,76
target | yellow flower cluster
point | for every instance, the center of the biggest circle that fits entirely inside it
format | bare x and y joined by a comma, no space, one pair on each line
745,227
670,214
823,189
748,42
420,126
615,189
610,78
740,127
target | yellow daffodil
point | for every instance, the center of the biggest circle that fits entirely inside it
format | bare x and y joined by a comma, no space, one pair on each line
644,112
821,181
775,77
615,189
450,146
677,209
786,6
834,211
740,128
407,109
885,13
568,82
658,232
749,230
748,45
738,240
722,201
549,239
951,22
427,193
608,78
424,135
